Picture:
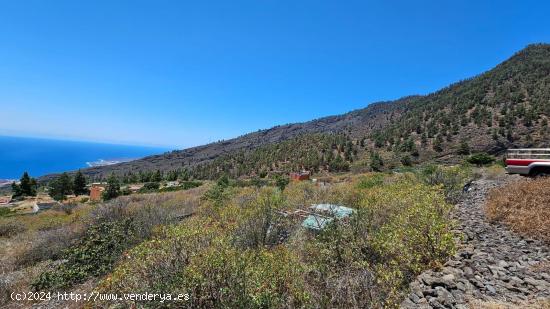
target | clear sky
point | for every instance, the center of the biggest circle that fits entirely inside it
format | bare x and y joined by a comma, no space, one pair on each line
183,73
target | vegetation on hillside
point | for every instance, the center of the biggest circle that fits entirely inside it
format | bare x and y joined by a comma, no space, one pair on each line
508,105
313,152
243,246
239,249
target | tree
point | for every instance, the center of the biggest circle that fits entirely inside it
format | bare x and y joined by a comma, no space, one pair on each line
157,176
376,162
463,148
438,143
112,189
223,181
406,160
79,184
480,159
281,182
27,186
424,139
60,187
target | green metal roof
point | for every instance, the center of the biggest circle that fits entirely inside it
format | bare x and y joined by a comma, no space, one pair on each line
333,210
315,222
329,212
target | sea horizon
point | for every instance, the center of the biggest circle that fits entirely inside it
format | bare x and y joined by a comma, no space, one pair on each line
42,156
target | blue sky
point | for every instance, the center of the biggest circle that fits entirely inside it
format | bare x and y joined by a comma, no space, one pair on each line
183,73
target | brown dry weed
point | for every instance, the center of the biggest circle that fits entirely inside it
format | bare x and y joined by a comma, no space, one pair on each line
524,206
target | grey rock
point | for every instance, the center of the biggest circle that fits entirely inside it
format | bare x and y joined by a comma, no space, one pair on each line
502,264
490,289
444,297
414,298
468,272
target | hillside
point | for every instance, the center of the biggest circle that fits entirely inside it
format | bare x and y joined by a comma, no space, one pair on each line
356,123
507,106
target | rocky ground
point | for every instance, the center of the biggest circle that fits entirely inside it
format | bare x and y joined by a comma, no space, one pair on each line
493,264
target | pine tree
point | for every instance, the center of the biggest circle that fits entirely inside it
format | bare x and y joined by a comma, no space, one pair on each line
376,162
60,187
438,143
27,186
112,189
79,184
464,148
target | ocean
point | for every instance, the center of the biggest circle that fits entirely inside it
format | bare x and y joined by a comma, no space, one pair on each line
44,156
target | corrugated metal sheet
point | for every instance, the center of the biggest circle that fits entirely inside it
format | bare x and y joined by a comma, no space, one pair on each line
324,214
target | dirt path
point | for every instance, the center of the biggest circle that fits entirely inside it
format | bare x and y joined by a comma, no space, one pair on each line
493,264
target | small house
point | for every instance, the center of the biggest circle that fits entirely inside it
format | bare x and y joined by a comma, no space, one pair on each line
304,175
96,191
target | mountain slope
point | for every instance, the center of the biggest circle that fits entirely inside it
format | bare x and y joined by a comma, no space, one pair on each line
506,106
356,123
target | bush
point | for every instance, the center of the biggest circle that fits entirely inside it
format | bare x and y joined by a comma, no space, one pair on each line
281,182
9,229
196,258
406,160
224,277
261,226
156,266
149,187
452,179
5,211
399,230
94,255
480,159
373,180
47,245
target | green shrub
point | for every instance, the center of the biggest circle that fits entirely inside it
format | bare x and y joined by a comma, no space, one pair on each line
452,179
225,277
281,182
94,255
156,266
370,181
261,226
5,211
406,160
149,187
480,159
399,230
